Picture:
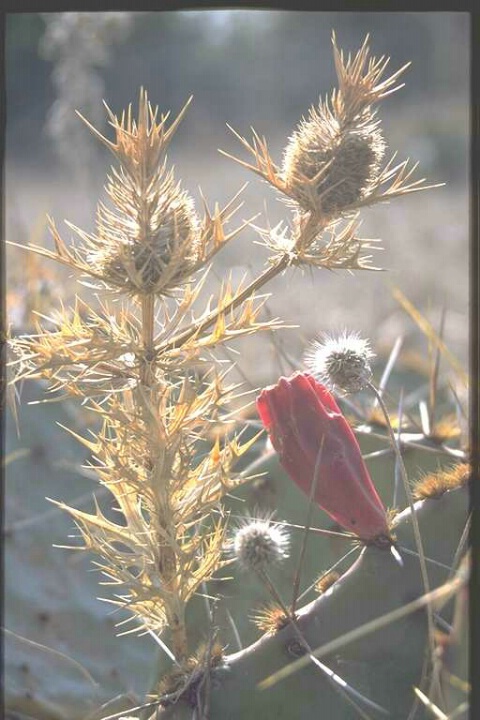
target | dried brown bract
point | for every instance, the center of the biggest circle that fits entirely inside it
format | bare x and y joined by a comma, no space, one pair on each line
327,168
151,263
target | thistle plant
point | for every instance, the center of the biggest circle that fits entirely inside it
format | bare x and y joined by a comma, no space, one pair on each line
156,451
164,441
332,167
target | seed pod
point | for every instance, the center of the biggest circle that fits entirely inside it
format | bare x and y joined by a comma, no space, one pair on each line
328,168
153,255
260,544
342,363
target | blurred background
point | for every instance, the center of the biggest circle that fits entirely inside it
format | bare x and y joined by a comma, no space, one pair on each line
260,68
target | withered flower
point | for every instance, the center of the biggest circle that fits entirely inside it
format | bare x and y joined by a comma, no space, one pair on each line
259,544
341,362
327,168
333,165
147,255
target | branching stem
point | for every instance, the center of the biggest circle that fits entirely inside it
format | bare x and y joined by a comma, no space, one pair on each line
312,228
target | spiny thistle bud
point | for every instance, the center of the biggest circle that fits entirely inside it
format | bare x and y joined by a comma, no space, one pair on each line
328,168
342,363
260,544
151,257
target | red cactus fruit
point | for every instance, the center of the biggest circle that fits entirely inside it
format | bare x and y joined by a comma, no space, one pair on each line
316,444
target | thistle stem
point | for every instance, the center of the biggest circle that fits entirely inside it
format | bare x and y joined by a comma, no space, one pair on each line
198,328
312,228
167,561
148,317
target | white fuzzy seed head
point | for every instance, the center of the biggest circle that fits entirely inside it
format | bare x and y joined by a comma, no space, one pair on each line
342,363
260,544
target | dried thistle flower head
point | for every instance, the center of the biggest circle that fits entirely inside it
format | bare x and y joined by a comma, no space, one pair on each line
333,165
342,362
328,168
259,544
333,159
152,254
149,240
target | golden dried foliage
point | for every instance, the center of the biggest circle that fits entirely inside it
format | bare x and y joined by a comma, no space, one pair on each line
143,362
435,484
150,240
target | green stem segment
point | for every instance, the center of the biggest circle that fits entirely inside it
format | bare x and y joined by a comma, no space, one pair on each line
415,526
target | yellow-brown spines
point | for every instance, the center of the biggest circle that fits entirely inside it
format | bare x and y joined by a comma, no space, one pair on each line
270,618
435,484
